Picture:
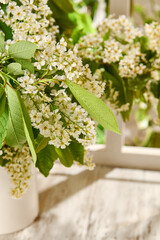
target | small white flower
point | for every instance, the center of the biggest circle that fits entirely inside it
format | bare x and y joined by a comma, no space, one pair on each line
45,129
35,116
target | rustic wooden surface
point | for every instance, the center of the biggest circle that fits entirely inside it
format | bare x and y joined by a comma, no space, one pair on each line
106,204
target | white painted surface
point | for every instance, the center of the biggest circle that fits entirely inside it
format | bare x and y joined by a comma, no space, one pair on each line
115,154
100,13
120,7
16,214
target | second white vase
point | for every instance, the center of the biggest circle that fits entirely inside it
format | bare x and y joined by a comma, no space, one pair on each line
16,214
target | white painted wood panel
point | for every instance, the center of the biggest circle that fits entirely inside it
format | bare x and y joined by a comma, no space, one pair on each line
115,154
120,7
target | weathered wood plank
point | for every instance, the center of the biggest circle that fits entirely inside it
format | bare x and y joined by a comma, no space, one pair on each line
106,204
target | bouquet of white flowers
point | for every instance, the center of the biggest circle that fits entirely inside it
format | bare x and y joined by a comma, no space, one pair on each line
48,95
54,70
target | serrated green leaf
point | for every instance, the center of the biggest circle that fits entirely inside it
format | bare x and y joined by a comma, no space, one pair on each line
2,43
22,49
15,134
77,150
25,64
4,125
27,128
41,142
46,159
95,107
2,103
15,69
65,156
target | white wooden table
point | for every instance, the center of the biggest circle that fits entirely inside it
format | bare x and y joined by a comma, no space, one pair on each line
106,204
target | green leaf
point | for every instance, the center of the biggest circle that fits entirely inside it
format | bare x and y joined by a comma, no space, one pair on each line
92,65
1,90
4,125
27,128
121,85
26,64
3,162
144,42
65,156
139,9
46,159
2,43
18,2
92,5
77,151
15,134
77,34
22,49
100,135
117,83
83,25
61,17
2,103
7,30
155,88
64,5
73,152
15,69
107,35
107,7
95,107
41,142
158,108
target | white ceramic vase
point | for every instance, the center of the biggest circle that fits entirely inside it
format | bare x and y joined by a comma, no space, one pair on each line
16,214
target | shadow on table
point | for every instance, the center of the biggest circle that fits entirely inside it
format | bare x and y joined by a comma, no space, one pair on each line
74,183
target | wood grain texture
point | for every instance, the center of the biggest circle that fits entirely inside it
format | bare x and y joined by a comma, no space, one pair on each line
105,204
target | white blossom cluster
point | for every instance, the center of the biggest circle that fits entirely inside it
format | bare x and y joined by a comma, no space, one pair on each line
90,165
53,113
114,43
90,46
4,1
121,28
131,64
58,120
33,22
71,66
19,168
112,51
153,33
30,21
